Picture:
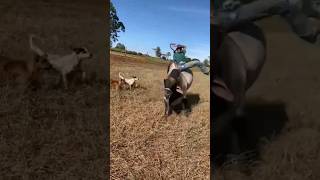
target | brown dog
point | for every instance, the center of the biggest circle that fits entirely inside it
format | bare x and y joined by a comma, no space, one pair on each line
116,84
22,73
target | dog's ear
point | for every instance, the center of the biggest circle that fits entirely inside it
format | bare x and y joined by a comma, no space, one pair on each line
76,50
79,50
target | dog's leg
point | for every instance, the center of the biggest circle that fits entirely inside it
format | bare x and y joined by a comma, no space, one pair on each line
135,85
84,76
64,79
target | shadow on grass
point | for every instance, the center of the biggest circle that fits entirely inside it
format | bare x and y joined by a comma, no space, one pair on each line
176,101
263,120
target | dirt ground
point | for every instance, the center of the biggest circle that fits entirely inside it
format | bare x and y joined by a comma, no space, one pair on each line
54,133
143,144
284,104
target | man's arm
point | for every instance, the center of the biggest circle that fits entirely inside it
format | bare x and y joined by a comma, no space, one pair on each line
249,12
307,28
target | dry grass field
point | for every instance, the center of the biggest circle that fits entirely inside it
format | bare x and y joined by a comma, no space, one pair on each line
53,133
143,144
288,94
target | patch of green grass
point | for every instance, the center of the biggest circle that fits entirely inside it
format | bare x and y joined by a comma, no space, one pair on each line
156,59
117,50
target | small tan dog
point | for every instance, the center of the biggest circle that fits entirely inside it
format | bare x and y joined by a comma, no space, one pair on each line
131,82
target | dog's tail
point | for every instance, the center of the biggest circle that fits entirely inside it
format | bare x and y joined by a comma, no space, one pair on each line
34,48
120,76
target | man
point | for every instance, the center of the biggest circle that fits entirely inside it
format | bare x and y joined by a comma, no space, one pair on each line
180,58
301,15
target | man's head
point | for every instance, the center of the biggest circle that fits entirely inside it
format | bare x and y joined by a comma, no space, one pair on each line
180,49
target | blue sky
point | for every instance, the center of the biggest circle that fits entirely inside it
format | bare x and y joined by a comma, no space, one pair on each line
151,23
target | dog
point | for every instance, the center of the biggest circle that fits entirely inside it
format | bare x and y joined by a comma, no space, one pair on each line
116,84
129,81
64,64
22,73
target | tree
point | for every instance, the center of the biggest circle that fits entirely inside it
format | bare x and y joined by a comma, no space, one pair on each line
206,62
120,46
116,25
168,55
158,51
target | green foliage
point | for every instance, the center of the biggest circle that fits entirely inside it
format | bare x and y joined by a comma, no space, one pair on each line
158,52
206,62
121,46
118,50
116,25
132,52
168,55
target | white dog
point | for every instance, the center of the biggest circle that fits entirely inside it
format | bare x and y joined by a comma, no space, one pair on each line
129,81
65,64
